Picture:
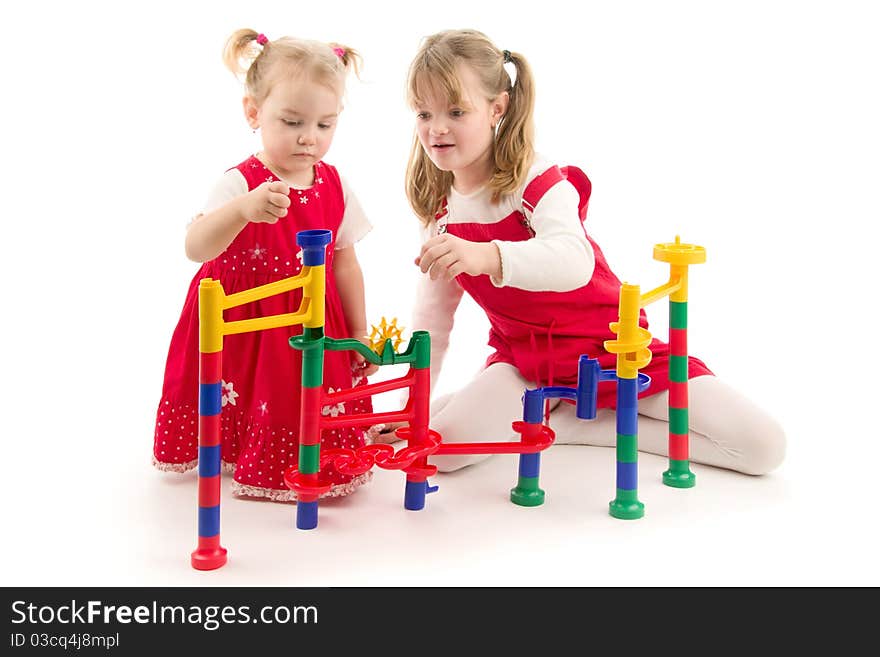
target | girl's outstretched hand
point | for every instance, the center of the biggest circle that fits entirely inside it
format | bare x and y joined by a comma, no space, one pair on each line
446,256
268,202
362,365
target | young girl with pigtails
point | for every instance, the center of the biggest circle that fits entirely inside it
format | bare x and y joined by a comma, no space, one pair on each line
505,226
245,236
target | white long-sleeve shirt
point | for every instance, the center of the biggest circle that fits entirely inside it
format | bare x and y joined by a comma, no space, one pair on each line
557,259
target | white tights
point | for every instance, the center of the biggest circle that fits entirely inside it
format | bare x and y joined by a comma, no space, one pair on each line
727,430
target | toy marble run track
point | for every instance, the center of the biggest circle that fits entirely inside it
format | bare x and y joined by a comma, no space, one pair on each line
630,346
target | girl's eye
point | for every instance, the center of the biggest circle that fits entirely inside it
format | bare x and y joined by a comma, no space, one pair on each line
422,116
325,126
286,122
457,113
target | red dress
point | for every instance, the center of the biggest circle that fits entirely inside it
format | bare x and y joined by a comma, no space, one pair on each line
544,333
261,372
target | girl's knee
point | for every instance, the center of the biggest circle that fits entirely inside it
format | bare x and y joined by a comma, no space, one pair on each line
766,445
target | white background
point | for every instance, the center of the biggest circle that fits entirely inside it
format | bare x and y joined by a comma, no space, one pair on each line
749,127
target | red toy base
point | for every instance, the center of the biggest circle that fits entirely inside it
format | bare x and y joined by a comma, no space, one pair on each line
209,558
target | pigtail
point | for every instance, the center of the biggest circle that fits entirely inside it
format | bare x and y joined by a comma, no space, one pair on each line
351,59
250,52
241,46
515,139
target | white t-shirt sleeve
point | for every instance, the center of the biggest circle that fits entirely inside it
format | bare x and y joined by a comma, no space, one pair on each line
354,225
230,186
558,258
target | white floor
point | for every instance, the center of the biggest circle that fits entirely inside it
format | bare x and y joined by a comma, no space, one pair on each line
731,529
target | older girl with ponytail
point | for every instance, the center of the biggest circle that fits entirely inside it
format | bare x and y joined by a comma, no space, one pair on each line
506,226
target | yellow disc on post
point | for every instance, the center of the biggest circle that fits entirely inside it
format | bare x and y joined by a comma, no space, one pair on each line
677,253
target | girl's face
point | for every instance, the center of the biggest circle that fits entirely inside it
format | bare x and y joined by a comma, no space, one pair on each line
297,121
460,137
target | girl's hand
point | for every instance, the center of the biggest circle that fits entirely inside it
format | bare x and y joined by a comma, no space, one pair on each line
362,365
387,434
267,203
446,256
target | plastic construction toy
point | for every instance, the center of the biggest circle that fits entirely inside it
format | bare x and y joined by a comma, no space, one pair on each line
630,345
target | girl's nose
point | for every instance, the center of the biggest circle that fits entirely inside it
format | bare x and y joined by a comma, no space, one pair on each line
307,138
438,129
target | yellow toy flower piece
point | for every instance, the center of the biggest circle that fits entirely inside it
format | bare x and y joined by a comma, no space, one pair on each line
386,331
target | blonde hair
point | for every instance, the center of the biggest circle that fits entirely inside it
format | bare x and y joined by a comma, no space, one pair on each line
435,67
266,61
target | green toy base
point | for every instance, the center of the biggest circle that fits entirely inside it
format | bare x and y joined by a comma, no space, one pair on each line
680,479
527,497
626,510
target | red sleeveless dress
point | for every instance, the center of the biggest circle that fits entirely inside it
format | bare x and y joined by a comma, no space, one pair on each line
544,333
261,372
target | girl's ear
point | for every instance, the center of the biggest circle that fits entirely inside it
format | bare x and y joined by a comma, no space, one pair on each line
251,112
499,106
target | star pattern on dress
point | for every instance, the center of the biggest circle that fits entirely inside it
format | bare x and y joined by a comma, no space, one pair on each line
263,407
303,199
333,409
229,395
258,251
299,256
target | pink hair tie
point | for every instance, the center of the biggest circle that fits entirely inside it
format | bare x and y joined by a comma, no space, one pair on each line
262,40
340,52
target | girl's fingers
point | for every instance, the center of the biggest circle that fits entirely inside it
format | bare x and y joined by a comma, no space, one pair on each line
276,211
425,260
385,438
441,265
433,243
432,255
279,200
454,270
